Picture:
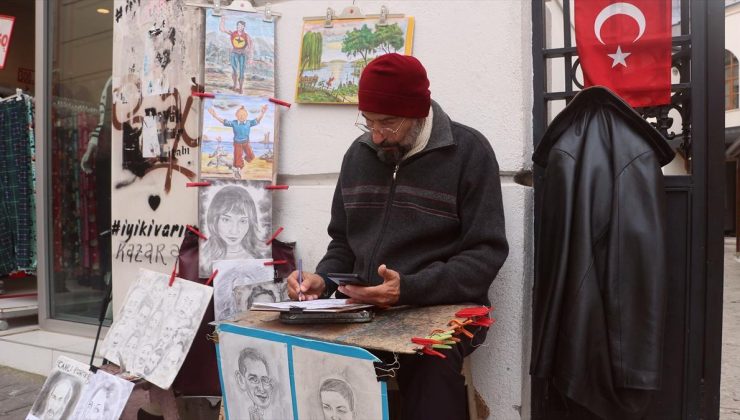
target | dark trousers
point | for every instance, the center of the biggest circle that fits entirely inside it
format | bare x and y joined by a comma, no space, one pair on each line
434,388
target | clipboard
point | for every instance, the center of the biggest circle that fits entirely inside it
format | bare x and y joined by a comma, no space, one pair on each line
302,317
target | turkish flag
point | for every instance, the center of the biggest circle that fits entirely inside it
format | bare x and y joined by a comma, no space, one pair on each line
626,46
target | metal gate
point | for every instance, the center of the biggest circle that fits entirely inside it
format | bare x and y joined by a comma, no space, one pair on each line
693,335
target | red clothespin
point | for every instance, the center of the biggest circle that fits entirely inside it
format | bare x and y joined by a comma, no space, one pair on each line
213,276
174,270
203,94
427,344
479,315
276,262
274,235
198,184
276,187
279,102
473,312
197,232
460,327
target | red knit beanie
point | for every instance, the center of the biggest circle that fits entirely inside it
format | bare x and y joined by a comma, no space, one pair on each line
395,84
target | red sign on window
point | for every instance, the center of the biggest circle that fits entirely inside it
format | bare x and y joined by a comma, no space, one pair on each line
25,75
6,29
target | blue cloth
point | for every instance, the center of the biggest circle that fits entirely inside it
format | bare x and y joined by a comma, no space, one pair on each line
238,62
241,130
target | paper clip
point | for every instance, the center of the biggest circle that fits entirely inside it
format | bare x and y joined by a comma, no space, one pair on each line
197,232
276,187
274,235
198,184
279,102
172,276
213,276
203,94
276,262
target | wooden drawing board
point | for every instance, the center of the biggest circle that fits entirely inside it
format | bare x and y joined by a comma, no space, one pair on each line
391,330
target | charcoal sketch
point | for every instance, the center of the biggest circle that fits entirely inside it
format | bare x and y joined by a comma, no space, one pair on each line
332,386
156,325
239,283
236,217
104,397
61,391
255,377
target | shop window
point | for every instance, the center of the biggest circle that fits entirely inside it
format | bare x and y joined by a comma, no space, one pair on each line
731,81
79,215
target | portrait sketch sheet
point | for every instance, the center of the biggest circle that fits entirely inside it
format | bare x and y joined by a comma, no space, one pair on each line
104,397
238,140
239,54
330,385
236,217
241,283
332,59
156,325
61,392
255,377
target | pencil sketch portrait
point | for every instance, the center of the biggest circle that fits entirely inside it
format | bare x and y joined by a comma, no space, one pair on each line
104,397
61,391
335,387
236,217
255,377
155,326
240,283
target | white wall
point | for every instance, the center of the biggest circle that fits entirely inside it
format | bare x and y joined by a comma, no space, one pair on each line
478,57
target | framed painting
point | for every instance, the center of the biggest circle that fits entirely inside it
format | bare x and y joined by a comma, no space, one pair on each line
332,59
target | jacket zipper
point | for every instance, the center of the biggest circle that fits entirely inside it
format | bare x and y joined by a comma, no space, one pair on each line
386,216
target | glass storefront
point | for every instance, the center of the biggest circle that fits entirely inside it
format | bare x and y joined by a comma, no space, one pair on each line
78,155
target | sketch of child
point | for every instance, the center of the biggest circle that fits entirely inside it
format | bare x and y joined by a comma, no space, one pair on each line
98,407
241,127
254,378
337,400
233,228
242,51
245,296
58,399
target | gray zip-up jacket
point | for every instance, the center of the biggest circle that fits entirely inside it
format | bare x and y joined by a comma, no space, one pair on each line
436,218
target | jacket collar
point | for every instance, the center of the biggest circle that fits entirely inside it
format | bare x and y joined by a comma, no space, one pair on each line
593,98
441,132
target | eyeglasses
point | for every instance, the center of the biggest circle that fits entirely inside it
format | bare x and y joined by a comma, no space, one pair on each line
385,131
255,380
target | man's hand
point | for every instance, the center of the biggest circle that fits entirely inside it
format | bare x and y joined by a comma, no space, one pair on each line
312,287
383,296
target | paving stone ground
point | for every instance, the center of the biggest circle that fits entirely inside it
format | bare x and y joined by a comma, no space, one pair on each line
729,405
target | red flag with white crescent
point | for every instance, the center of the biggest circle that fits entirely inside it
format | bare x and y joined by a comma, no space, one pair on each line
626,46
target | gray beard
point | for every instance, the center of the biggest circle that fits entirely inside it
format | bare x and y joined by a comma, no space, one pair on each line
395,156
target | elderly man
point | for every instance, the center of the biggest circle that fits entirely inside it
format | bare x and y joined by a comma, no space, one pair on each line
417,212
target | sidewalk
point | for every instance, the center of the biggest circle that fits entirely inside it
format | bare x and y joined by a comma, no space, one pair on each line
729,405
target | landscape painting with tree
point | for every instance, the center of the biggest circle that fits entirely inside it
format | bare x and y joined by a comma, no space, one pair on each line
332,59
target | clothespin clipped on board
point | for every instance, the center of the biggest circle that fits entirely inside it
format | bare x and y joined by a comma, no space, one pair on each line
428,346
479,315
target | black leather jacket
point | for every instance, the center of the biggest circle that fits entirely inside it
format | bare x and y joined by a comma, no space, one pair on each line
600,263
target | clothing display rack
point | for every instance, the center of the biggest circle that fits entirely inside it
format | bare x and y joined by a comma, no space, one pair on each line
17,207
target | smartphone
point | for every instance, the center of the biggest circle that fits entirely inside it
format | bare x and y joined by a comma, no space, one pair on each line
347,278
